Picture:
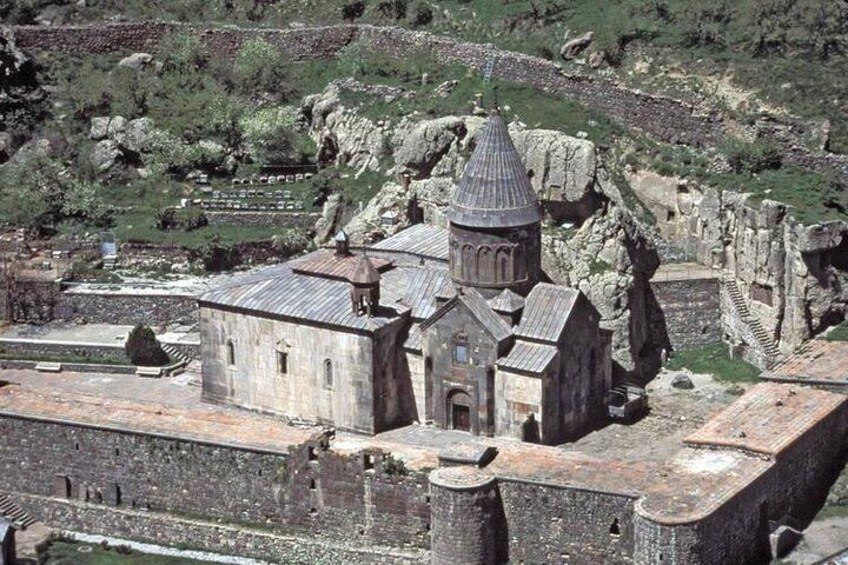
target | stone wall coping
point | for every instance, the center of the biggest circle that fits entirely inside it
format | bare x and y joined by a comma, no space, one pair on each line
4,413
71,367
49,342
461,478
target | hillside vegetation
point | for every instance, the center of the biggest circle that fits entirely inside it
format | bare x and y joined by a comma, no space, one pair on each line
234,117
788,52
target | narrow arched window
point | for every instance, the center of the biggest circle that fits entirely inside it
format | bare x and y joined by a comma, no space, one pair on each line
231,352
328,373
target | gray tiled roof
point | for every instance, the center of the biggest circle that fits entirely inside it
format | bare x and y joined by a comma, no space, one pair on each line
546,311
415,287
507,302
528,357
423,240
291,295
495,190
481,311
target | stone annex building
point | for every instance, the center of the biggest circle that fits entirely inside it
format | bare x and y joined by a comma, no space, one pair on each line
456,328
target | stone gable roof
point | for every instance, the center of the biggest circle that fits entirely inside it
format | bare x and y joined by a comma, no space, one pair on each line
480,311
547,309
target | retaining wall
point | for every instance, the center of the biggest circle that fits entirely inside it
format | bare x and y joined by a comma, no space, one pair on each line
687,313
283,219
42,349
123,308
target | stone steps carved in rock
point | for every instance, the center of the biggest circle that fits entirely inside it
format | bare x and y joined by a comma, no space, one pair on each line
764,340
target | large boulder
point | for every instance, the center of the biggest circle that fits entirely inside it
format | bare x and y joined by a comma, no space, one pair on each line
136,135
136,61
420,145
104,155
99,128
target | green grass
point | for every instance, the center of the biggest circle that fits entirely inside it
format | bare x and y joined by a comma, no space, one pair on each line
67,553
839,333
714,360
599,266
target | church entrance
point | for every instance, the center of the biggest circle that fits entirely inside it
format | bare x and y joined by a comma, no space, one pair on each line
459,411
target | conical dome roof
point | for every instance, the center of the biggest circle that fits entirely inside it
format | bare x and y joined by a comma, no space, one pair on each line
495,190
364,272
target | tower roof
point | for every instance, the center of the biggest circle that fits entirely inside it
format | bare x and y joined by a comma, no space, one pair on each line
364,272
495,190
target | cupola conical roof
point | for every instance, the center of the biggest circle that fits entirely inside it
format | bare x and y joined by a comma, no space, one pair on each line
364,272
495,190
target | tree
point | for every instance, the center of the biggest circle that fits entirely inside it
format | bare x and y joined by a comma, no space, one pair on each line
144,349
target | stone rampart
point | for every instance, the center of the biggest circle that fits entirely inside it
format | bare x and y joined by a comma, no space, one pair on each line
687,312
554,524
790,491
227,539
304,488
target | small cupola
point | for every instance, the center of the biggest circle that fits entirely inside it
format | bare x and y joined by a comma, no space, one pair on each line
509,306
342,243
365,287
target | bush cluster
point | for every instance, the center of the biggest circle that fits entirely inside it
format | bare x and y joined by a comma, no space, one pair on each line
144,349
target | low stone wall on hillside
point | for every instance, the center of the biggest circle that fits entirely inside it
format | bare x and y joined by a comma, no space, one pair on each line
124,308
303,221
36,348
665,118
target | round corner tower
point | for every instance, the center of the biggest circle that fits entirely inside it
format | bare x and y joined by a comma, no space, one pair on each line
465,517
495,218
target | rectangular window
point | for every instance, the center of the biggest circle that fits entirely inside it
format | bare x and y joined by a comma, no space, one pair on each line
282,363
460,354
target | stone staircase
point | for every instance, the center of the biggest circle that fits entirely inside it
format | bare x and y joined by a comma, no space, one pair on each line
175,354
764,341
14,513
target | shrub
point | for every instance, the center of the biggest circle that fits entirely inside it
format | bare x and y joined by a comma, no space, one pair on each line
169,219
144,349
260,66
752,158
394,466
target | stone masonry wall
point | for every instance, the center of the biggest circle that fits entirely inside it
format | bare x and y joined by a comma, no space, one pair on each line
549,524
664,118
687,312
792,490
310,490
284,219
171,530
39,348
125,309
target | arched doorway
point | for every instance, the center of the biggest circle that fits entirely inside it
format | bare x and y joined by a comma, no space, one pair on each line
459,411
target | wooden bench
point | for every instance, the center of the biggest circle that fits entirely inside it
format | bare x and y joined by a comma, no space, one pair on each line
155,372
48,367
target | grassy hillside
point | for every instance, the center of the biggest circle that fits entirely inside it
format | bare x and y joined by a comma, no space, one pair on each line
789,53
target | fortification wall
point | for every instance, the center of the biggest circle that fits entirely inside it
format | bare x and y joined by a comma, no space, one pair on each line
170,530
687,313
109,307
39,348
321,493
790,491
550,524
296,220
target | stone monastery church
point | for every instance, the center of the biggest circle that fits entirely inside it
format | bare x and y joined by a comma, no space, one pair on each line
451,327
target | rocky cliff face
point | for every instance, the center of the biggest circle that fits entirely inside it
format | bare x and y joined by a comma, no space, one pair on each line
591,242
793,277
